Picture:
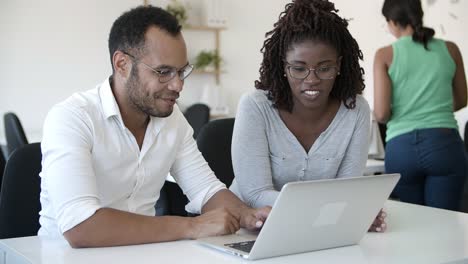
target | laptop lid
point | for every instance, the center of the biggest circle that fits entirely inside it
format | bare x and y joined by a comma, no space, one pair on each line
315,215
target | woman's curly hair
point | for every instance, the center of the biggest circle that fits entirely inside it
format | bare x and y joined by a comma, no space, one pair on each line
315,20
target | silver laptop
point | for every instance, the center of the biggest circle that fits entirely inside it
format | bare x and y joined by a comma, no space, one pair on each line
313,215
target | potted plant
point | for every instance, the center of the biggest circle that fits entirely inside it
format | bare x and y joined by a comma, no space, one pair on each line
178,10
208,60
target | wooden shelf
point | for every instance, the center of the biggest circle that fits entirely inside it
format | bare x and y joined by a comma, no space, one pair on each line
216,31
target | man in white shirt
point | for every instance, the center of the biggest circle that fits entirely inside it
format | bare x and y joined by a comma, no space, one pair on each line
107,151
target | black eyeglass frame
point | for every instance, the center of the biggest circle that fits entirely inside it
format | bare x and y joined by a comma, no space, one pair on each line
309,70
173,71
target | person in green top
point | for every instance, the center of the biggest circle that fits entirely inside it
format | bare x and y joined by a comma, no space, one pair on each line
419,81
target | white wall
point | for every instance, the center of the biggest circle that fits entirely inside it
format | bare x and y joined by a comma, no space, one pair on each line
52,48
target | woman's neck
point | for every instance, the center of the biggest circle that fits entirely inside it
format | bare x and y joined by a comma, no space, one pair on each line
407,31
312,115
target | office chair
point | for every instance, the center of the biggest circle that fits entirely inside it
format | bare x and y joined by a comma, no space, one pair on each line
465,136
2,167
14,133
172,200
214,142
19,194
383,132
197,115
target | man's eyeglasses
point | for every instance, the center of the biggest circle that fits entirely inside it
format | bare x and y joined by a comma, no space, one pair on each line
302,72
165,74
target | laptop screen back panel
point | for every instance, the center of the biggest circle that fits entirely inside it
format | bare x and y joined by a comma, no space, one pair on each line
322,214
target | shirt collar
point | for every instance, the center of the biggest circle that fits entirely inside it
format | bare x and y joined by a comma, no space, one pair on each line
111,108
109,104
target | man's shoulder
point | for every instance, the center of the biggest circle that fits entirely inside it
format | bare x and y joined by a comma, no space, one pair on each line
83,99
80,104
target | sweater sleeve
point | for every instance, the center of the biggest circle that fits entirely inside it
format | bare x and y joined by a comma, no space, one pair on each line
250,156
355,157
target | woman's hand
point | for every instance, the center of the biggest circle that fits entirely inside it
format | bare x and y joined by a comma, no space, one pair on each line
379,224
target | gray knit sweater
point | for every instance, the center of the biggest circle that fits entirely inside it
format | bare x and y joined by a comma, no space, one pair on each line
266,155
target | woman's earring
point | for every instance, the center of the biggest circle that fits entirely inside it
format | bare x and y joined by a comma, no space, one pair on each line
284,75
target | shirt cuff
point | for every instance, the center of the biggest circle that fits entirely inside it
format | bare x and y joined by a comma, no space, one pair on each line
195,206
76,213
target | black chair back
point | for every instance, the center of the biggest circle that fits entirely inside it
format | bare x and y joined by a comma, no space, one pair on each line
214,142
197,115
19,194
2,167
465,136
172,200
383,132
14,133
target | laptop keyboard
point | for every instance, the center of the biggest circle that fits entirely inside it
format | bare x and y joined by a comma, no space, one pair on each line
245,246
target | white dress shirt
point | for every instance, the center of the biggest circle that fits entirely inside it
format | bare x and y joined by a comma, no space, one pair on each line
91,160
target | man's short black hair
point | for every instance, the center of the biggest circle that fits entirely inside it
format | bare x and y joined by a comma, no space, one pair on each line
128,31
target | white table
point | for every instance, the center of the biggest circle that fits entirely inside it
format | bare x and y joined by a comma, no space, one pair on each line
416,234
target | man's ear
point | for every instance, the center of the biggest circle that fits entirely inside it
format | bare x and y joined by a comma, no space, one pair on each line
122,64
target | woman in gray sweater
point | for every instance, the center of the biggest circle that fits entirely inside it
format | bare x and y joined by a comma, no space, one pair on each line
306,120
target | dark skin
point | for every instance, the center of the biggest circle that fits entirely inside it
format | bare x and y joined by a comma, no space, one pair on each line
311,114
307,128
313,108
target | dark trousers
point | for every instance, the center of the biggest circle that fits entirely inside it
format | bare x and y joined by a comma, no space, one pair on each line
433,167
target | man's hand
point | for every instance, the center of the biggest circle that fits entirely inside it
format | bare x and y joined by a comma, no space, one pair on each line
253,219
216,222
379,224
235,214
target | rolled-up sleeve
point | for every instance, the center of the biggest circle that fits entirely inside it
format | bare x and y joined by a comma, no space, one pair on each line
193,174
68,178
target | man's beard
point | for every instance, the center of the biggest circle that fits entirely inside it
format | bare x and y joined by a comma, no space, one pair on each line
141,101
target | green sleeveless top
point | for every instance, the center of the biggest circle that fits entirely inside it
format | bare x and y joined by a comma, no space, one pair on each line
421,87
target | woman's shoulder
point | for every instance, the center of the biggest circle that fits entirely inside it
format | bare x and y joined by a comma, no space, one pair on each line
255,104
256,97
384,55
362,103
349,117
259,96
384,50
362,106
452,48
